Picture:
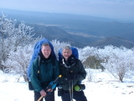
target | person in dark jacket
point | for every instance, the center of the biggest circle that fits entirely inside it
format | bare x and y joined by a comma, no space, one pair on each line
73,73
43,75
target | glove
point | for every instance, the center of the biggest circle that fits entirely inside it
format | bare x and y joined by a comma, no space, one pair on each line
52,85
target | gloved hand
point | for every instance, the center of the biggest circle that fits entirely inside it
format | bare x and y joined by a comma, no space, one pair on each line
52,85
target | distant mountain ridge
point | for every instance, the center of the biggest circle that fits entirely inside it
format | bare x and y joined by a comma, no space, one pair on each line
79,30
115,41
53,32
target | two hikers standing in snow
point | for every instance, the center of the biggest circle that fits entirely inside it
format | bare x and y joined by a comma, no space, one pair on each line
69,66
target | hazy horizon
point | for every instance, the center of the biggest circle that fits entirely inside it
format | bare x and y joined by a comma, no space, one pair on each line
112,9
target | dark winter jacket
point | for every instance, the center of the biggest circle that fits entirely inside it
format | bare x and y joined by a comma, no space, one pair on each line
74,66
48,71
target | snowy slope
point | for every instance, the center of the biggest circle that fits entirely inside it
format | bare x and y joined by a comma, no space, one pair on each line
102,87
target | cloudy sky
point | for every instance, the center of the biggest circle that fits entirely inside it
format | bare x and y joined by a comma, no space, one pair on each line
117,9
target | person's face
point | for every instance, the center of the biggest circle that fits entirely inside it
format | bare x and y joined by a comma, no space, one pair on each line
46,51
66,53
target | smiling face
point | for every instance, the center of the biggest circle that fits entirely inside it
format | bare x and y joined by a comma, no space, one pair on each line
46,50
66,53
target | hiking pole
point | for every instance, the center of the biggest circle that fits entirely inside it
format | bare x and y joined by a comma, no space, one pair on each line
71,90
51,86
40,98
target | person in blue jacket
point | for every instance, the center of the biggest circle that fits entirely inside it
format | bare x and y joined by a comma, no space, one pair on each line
41,76
73,73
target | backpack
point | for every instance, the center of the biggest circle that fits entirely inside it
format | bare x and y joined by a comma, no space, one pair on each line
74,53
36,51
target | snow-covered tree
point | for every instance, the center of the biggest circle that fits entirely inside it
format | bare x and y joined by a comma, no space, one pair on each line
89,57
118,61
18,61
12,35
86,52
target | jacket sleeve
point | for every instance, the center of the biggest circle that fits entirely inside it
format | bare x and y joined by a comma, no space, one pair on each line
81,75
35,77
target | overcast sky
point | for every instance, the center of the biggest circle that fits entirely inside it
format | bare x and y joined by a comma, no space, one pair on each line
117,9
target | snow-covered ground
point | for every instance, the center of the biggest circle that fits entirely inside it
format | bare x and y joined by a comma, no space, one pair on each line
102,87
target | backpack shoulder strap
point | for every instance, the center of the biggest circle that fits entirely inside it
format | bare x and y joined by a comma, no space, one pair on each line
39,63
